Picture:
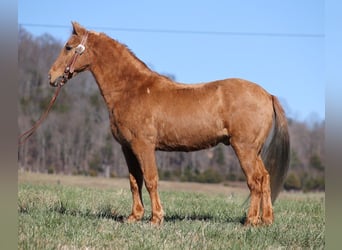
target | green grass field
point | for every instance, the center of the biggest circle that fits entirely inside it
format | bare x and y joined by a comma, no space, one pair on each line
66,212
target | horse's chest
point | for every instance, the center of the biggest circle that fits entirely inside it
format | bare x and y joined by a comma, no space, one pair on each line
117,128
126,127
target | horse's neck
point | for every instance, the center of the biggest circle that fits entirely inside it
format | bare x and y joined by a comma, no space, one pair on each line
116,69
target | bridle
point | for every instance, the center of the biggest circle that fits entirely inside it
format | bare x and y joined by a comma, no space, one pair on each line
68,72
69,69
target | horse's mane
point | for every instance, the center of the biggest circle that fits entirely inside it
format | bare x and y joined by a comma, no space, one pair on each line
124,47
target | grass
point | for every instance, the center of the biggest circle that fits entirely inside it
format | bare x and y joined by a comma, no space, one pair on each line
71,215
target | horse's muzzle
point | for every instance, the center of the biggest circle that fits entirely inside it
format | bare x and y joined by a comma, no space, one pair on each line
60,81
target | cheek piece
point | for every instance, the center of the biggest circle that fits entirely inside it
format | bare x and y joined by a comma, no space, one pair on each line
69,70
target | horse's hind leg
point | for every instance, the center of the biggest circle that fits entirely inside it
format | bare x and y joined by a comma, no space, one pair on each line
136,182
266,203
255,172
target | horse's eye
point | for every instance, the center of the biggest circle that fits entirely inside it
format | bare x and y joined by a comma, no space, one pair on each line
68,47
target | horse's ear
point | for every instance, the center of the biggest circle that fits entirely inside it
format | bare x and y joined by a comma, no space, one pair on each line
77,29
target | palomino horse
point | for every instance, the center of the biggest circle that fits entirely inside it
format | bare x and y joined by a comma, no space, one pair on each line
150,112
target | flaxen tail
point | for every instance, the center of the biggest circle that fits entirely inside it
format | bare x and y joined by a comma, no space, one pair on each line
276,155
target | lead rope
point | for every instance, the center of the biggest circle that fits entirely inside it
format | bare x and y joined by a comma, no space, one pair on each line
24,136
68,70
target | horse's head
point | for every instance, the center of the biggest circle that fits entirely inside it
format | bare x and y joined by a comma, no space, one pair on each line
73,58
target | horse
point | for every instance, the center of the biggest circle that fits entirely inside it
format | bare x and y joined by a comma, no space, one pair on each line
150,112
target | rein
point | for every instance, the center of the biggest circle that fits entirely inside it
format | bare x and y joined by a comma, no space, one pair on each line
23,137
68,72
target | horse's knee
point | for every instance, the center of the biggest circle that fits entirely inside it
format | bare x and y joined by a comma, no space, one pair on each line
151,184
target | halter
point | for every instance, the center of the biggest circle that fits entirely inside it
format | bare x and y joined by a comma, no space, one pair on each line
69,70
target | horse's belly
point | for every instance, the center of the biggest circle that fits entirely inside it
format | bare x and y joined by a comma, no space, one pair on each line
193,126
192,139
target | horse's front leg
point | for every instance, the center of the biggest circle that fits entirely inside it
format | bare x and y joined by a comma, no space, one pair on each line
145,154
136,182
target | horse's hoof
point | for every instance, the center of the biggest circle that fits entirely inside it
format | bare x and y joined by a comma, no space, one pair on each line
267,221
155,221
133,218
253,221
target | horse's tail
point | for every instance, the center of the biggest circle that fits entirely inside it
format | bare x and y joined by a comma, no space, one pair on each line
276,154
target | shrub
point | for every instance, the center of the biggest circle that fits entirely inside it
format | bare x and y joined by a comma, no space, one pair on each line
210,176
292,182
314,184
231,177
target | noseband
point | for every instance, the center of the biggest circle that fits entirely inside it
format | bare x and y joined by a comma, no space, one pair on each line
69,69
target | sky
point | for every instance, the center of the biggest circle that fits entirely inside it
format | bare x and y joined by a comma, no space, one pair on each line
276,44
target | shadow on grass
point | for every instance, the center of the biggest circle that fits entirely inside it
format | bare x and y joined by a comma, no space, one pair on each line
107,213
204,217
62,208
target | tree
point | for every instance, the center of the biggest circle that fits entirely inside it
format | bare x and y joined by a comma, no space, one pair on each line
219,155
315,162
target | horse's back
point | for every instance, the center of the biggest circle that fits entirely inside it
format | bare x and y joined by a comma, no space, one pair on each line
233,96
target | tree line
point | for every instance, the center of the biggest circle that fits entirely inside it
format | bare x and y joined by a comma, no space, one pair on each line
76,139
